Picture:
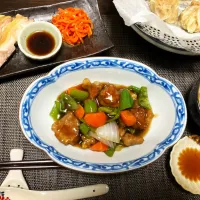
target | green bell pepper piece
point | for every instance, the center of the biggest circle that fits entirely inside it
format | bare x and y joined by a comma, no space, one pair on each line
84,128
126,101
114,118
130,130
143,100
55,111
69,101
90,106
134,89
79,95
108,110
110,152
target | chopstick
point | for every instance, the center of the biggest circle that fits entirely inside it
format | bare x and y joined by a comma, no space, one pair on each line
28,164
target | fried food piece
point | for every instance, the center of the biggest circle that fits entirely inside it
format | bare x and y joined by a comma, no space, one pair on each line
93,88
195,3
143,117
190,18
109,96
130,139
167,10
67,129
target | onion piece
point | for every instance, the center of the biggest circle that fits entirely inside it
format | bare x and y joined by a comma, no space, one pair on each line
106,142
109,132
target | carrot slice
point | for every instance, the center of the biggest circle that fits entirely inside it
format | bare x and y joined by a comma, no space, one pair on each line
74,24
95,119
99,146
79,113
128,118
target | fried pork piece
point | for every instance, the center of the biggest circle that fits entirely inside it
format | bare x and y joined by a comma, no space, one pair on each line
130,139
92,88
67,129
109,96
143,116
9,36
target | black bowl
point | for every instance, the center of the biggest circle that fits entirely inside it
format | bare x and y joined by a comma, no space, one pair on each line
193,103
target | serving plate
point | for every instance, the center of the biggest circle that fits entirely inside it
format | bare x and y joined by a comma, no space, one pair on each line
18,63
160,44
166,100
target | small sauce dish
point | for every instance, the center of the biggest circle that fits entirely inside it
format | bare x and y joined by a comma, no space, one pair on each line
40,40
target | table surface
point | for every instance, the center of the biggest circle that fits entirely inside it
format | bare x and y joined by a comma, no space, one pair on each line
154,181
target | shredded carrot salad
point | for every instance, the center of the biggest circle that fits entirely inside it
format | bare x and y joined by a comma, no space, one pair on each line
74,24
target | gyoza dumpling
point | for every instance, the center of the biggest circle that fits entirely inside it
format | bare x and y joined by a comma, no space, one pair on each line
195,3
190,18
167,10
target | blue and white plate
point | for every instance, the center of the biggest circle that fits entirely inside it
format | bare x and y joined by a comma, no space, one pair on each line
166,100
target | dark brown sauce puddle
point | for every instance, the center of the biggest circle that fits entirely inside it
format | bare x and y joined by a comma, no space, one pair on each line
40,43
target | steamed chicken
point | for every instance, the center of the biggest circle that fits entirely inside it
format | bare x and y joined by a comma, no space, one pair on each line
9,30
102,116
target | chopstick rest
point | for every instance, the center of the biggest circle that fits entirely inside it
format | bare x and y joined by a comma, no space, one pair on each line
14,187
15,178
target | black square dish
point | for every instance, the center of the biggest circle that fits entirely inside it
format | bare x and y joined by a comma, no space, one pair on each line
98,42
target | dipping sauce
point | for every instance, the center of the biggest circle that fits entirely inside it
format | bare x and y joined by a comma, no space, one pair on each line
189,163
40,43
185,163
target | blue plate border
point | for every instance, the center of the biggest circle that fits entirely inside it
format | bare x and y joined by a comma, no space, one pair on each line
103,62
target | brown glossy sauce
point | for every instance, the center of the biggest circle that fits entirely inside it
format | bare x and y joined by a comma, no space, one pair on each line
144,132
40,43
189,164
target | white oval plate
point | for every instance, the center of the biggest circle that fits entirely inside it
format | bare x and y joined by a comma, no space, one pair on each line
166,100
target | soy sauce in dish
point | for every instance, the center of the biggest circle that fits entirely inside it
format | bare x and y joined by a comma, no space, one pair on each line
40,43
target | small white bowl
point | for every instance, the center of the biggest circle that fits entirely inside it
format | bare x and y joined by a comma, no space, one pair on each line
39,26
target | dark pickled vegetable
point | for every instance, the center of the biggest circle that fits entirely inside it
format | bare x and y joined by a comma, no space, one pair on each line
90,106
79,95
126,101
143,100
